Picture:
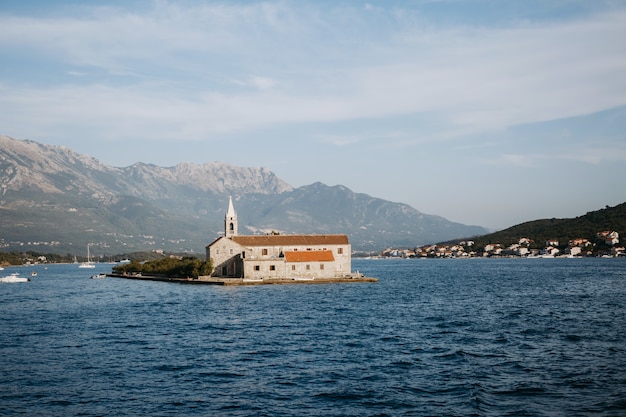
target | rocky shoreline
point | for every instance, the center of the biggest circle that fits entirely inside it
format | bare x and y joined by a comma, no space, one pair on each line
244,281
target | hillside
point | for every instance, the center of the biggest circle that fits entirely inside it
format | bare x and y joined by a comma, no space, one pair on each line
55,200
563,230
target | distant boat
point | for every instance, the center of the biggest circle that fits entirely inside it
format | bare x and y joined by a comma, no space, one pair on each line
98,276
33,274
87,264
13,278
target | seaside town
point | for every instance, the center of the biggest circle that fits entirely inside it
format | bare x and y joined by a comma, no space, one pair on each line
606,245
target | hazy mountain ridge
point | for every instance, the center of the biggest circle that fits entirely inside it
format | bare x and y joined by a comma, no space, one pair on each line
363,217
53,194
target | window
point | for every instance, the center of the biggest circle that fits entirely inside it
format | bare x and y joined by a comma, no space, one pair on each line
340,251
257,268
231,251
322,267
308,267
264,252
272,267
293,267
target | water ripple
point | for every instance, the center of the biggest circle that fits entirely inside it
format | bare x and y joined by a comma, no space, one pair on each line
444,338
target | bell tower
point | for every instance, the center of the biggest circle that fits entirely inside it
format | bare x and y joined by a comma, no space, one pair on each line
230,221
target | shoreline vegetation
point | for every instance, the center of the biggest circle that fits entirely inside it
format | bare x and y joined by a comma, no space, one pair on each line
15,258
170,267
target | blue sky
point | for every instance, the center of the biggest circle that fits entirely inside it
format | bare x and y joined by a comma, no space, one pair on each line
485,112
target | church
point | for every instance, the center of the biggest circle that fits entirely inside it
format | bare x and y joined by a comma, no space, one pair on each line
261,257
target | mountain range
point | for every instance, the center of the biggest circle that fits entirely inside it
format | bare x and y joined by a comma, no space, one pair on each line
54,200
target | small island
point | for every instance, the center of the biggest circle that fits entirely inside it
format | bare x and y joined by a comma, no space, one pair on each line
189,270
234,259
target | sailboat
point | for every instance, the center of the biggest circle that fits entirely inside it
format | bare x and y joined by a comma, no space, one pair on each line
87,264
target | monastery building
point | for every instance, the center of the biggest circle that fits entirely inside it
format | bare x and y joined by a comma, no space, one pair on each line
277,256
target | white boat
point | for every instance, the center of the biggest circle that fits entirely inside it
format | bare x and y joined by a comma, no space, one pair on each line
13,278
98,276
87,264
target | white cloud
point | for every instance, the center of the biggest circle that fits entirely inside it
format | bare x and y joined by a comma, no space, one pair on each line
596,155
585,151
256,82
516,160
183,61
339,140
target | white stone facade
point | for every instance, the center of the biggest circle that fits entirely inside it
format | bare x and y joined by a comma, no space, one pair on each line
278,256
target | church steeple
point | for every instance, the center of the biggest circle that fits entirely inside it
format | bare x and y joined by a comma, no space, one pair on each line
230,221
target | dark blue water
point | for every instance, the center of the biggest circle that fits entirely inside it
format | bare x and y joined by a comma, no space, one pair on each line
518,337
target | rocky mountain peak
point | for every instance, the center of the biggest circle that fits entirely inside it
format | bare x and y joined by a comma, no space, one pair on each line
219,177
56,169
53,196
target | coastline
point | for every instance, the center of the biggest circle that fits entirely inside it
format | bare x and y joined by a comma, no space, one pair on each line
243,281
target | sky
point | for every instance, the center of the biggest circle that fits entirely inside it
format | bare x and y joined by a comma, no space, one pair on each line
485,112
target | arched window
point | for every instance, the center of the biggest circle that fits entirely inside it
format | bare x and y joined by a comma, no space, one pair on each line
232,227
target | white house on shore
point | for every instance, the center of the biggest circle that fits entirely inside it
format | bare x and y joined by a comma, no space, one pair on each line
277,256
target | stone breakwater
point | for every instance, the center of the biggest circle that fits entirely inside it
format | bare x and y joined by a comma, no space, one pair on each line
244,281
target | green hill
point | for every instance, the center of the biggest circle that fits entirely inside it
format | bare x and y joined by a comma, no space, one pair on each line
563,230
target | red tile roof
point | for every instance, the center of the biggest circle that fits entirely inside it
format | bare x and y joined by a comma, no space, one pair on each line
291,240
309,256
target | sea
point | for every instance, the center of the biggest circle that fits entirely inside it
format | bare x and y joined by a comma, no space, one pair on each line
448,337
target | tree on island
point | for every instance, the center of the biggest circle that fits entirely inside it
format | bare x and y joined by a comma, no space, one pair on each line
171,267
